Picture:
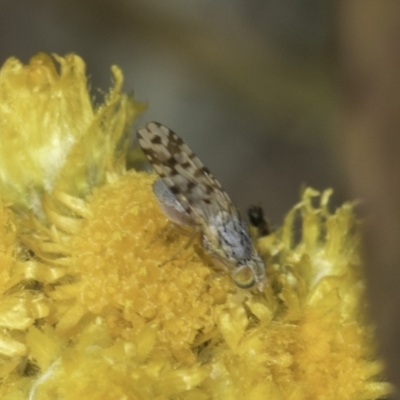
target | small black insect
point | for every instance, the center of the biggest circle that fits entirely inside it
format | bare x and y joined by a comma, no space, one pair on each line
258,221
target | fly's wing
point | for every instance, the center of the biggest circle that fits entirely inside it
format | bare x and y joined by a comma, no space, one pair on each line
199,193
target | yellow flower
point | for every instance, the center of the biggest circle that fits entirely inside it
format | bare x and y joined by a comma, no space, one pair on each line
87,311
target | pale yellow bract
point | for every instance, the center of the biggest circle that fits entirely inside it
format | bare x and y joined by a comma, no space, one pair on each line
85,310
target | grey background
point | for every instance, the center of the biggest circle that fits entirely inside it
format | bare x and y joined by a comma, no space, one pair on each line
249,84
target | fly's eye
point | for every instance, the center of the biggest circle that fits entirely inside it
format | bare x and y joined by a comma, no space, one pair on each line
244,277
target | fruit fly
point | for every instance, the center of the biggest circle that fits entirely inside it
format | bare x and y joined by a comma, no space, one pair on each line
192,198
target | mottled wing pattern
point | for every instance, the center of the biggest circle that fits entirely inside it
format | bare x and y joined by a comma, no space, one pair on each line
199,193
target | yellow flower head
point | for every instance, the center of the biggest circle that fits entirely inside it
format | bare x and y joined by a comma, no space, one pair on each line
52,134
87,310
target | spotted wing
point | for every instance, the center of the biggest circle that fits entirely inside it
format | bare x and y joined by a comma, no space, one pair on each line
194,186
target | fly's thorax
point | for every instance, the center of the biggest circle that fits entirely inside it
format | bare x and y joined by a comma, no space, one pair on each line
227,236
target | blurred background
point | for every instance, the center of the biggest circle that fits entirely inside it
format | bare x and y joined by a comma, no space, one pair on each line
248,84
271,94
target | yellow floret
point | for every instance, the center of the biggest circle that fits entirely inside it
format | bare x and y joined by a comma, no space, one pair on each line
52,135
